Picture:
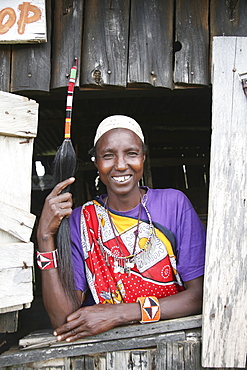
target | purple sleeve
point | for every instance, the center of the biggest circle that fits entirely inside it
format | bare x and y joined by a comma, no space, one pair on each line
172,209
77,252
191,241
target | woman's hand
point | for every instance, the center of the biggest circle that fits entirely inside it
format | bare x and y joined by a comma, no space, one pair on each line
92,320
56,207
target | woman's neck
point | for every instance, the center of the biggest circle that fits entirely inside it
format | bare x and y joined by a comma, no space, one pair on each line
125,202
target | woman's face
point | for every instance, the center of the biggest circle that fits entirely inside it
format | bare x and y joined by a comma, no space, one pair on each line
119,159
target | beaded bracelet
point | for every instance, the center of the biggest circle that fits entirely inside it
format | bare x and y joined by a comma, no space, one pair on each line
47,260
150,308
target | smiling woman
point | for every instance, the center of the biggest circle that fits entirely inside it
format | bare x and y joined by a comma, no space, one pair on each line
140,250
119,159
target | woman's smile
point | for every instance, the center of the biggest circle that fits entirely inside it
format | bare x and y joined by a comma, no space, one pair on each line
121,178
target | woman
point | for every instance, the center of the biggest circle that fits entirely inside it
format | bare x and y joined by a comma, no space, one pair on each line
123,244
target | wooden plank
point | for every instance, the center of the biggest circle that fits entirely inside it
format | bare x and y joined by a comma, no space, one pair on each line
18,115
16,255
5,57
24,22
151,43
169,359
179,355
19,118
68,22
105,43
191,62
87,363
32,355
195,355
16,307
31,64
142,360
54,364
16,165
117,360
225,309
16,222
228,18
9,322
15,287
161,356
130,331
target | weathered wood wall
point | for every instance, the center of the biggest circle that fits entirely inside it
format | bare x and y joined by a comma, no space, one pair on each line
105,43
66,43
18,127
150,57
31,64
165,345
171,344
123,44
225,293
192,31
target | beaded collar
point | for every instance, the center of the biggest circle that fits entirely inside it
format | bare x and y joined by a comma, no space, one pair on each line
123,264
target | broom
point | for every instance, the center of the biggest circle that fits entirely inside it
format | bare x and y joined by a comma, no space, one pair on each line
64,168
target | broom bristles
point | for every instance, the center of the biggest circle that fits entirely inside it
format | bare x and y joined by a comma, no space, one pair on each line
64,168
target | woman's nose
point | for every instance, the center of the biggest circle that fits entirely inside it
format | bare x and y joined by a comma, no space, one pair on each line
120,163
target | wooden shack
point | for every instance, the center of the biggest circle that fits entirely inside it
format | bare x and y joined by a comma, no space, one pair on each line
179,68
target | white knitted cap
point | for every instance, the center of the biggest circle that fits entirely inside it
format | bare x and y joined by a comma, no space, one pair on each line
118,121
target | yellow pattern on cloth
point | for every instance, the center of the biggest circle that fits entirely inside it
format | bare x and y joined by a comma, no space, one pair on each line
123,224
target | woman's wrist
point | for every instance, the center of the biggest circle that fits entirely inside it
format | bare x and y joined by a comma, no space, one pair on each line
129,312
46,243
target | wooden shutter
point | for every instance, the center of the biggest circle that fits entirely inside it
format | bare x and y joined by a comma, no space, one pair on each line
18,127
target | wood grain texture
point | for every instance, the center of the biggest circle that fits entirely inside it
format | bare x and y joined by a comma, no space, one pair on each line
225,309
151,43
33,355
18,127
105,43
31,64
68,23
192,31
5,57
15,287
226,20
138,343
9,322
18,115
166,326
16,255
16,165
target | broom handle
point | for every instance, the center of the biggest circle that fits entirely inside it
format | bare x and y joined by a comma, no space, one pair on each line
70,92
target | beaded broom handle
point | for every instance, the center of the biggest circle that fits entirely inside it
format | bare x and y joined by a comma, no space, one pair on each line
70,92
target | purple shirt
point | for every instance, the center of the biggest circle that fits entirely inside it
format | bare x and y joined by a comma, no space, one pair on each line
171,209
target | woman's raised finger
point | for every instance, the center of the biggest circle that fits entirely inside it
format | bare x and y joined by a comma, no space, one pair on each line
62,185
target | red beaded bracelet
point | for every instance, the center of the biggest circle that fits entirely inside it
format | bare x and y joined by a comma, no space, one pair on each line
47,260
150,308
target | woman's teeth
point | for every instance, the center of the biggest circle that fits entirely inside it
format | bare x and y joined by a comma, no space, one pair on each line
121,178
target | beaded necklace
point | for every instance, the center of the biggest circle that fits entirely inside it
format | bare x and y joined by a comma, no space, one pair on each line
123,264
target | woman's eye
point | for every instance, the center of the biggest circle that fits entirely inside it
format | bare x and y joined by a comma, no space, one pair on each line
107,156
132,154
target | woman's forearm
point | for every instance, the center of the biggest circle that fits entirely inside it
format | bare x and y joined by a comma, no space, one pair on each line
188,302
57,206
